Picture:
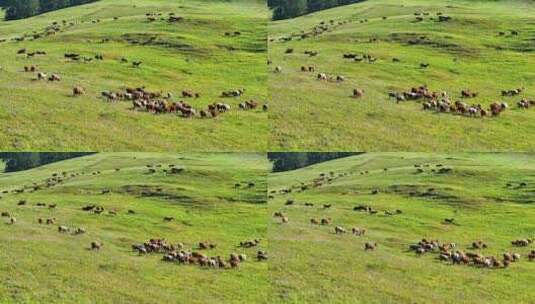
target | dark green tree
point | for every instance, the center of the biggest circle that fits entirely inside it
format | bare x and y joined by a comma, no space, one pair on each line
18,161
284,161
18,9
283,9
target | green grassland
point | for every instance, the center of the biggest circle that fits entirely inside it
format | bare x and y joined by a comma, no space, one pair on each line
311,264
193,54
39,264
464,53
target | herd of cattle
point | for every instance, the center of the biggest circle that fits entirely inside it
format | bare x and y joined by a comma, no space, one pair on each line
152,102
157,103
171,252
431,101
176,253
441,101
446,252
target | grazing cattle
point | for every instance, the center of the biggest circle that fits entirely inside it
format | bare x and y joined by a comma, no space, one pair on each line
168,218
12,220
78,91
479,245
189,94
206,245
358,231
41,76
513,92
96,245
322,76
278,69
31,68
468,94
449,221
358,93
339,230
524,103
248,105
496,108
54,77
249,244
63,229
370,246
278,214
262,255
325,221
522,243
233,93
284,220
314,221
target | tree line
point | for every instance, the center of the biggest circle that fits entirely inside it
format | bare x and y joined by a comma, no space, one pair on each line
19,161
285,161
18,9
284,9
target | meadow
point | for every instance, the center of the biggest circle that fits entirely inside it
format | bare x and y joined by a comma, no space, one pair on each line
193,54
486,47
453,198
137,191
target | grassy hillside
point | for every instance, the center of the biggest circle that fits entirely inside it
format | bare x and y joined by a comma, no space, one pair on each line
39,264
192,54
313,264
465,53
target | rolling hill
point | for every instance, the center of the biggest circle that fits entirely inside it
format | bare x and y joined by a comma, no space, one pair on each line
401,198
137,191
482,47
205,47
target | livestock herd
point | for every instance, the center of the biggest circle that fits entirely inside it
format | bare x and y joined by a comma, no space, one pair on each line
142,100
178,254
431,101
171,252
447,252
442,102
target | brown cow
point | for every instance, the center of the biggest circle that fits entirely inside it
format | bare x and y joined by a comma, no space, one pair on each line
78,91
